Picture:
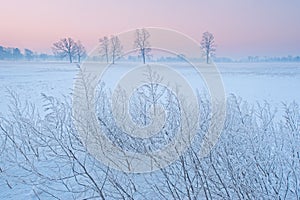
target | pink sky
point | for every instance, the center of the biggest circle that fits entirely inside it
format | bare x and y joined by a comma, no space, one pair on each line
241,27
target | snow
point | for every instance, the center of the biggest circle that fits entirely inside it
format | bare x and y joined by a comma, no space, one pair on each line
271,82
30,79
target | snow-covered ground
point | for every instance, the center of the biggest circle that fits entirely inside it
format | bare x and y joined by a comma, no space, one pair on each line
271,82
31,79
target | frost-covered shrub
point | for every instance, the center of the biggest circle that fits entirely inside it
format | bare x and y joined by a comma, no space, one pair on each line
256,157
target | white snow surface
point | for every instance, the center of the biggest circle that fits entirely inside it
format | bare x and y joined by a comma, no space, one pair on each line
272,82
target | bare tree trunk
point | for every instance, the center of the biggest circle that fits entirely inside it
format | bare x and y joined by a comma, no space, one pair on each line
143,55
70,58
113,58
106,57
207,57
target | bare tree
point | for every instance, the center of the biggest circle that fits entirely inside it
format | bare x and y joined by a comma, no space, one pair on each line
208,45
65,47
142,43
116,48
104,48
80,51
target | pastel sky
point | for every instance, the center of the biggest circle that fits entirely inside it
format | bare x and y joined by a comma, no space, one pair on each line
241,27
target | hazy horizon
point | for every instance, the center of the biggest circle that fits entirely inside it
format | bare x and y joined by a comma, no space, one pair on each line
241,28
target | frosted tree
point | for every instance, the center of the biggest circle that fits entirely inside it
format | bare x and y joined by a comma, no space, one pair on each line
256,157
104,48
65,47
208,45
116,48
79,51
142,43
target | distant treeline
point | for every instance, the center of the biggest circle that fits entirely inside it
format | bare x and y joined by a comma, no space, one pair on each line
15,54
273,59
259,59
229,60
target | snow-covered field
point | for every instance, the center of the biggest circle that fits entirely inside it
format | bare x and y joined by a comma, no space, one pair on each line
31,79
275,83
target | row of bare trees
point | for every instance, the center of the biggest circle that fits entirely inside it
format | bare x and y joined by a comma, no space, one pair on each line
111,48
